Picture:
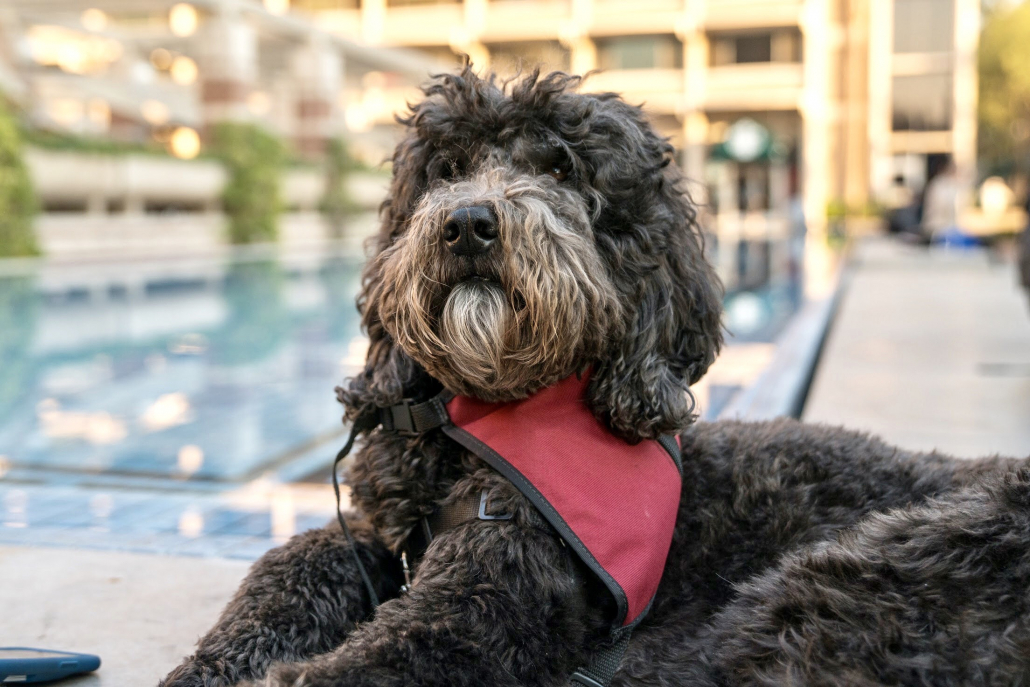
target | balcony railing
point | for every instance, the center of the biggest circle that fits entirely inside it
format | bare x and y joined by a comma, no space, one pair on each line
661,88
750,87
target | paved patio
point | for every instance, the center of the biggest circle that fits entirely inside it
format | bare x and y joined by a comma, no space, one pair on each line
929,350
140,613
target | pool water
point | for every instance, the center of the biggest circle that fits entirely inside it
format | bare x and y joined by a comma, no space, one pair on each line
180,406
204,371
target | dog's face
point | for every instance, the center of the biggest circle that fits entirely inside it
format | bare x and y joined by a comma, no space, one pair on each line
532,232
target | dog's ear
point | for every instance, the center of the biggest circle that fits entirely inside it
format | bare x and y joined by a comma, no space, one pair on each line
648,230
390,375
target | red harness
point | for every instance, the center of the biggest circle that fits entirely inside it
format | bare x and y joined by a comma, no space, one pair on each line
613,502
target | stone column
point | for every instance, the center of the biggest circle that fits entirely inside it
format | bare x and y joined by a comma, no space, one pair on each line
466,38
820,35
695,70
878,106
318,73
373,16
815,115
854,111
574,36
967,42
228,65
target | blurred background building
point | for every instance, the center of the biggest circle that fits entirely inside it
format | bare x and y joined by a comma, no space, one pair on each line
852,98
849,94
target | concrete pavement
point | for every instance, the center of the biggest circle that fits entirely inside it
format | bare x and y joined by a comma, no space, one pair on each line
929,350
140,613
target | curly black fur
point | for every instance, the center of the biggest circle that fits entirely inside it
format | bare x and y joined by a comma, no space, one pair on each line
802,554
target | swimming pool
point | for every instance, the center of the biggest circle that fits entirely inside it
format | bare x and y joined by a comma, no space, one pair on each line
197,371
187,406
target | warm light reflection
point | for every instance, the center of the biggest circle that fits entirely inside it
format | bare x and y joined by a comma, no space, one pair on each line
5,466
190,459
155,112
357,119
184,70
284,515
99,113
65,111
161,58
995,196
167,411
97,428
277,6
94,20
259,103
183,20
72,51
357,351
189,344
191,523
184,143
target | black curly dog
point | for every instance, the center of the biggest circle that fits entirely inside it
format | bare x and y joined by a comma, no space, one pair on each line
803,555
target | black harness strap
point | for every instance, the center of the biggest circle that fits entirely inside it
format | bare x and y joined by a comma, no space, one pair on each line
410,418
603,663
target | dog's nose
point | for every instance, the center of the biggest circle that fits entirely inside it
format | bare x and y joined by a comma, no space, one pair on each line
470,230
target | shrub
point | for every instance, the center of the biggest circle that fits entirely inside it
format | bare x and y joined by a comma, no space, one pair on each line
17,201
336,203
254,161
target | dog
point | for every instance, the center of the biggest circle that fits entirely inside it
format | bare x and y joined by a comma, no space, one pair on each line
802,555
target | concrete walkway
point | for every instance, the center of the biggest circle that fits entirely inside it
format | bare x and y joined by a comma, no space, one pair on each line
929,350
140,613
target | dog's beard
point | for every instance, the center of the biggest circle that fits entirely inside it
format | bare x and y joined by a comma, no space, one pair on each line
475,327
538,309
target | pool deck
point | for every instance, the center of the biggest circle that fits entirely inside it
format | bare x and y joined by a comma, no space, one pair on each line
140,613
929,350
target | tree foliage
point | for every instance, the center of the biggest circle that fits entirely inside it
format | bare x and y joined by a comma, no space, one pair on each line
336,202
254,161
17,200
1004,65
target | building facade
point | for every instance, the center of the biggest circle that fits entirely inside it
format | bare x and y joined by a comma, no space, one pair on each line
852,93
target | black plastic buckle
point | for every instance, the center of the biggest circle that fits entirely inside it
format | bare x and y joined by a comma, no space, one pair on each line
483,498
582,678
398,418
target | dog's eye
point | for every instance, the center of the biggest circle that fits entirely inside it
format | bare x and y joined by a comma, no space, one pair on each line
559,172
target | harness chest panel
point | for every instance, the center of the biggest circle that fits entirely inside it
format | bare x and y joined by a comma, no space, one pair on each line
613,502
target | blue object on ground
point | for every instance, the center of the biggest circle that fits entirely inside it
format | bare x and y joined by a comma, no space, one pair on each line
20,665
955,238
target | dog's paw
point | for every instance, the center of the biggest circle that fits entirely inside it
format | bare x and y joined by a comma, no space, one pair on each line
193,674
293,675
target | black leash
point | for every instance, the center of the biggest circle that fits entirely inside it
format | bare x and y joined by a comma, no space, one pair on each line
356,428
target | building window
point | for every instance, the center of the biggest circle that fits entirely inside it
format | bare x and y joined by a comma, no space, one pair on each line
753,48
509,58
924,25
640,52
922,102
783,45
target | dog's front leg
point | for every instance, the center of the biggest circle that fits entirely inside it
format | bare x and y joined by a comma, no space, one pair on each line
494,603
299,600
